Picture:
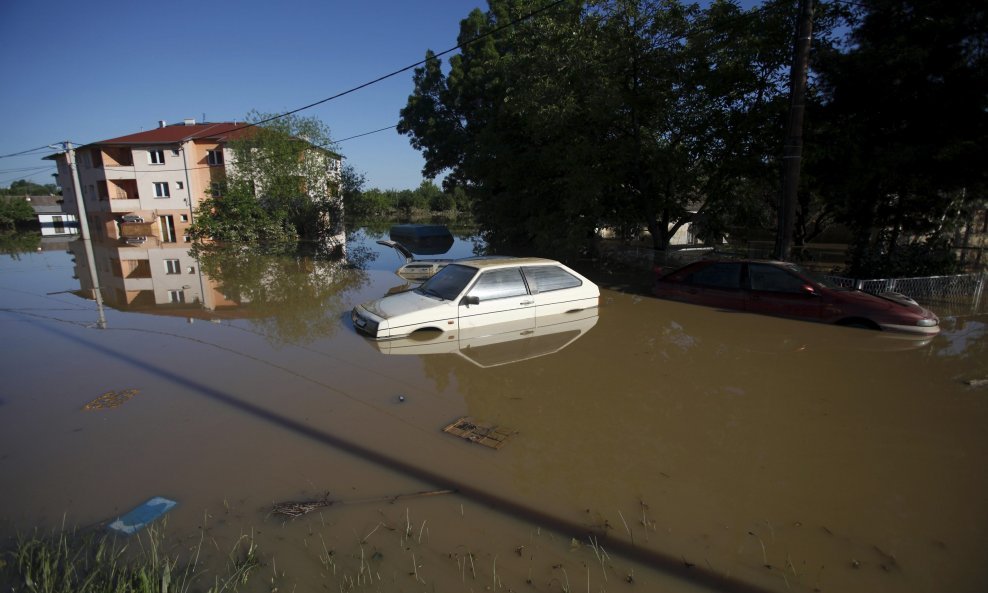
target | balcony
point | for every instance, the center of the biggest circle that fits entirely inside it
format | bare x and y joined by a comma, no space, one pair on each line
138,268
125,205
117,157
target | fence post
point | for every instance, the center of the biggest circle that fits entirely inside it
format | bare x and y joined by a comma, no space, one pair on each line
979,290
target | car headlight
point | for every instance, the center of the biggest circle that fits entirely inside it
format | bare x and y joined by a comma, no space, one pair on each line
926,322
363,324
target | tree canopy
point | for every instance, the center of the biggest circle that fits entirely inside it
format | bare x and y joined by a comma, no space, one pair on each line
23,187
14,211
902,127
278,186
624,113
654,113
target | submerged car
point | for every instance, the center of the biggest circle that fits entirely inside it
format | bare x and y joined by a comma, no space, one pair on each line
468,294
787,290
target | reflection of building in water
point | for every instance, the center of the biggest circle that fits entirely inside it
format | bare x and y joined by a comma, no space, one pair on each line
151,275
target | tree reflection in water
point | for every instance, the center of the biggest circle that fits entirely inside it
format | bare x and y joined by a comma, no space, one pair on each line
296,293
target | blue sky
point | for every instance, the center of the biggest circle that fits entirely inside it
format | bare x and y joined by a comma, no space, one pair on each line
89,71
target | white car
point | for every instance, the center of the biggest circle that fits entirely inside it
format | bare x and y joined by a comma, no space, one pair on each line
469,294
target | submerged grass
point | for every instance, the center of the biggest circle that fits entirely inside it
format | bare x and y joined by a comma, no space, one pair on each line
69,561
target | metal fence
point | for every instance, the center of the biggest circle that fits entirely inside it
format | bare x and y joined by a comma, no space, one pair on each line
967,287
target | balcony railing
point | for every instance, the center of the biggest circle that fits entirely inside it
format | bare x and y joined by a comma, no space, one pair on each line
125,205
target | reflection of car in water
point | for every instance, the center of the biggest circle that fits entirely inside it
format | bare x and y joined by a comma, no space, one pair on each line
786,290
498,344
476,293
424,239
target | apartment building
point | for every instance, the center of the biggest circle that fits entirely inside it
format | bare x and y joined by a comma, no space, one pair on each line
146,186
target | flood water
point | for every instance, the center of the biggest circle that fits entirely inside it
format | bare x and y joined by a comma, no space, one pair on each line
653,446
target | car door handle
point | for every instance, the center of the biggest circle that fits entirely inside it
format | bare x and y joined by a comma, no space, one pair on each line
526,303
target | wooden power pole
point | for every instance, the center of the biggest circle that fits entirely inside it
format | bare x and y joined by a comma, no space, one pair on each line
792,152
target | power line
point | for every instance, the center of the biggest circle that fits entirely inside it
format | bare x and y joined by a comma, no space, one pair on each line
24,169
361,86
397,72
19,177
46,147
391,127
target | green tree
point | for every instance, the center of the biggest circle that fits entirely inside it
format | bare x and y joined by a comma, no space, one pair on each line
351,187
907,113
23,187
627,113
14,211
278,187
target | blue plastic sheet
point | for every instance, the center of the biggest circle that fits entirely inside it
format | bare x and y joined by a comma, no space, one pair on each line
136,519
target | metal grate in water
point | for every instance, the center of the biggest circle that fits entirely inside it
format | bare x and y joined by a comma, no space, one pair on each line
482,434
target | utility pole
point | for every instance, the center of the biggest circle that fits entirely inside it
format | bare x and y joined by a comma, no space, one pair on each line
77,190
84,230
792,152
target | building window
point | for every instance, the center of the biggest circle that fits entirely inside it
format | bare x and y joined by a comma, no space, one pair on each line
176,296
214,157
179,185
216,188
167,228
184,218
156,157
172,266
174,152
161,189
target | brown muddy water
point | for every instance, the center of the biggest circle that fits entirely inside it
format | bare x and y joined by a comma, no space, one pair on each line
653,446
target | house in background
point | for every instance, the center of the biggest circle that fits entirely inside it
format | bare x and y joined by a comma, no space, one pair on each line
145,187
54,220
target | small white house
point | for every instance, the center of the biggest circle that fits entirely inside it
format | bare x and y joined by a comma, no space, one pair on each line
54,220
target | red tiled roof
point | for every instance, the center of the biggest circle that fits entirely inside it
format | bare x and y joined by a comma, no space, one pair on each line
178,133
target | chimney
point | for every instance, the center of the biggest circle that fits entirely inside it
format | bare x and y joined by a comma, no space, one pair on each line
162,123
190,121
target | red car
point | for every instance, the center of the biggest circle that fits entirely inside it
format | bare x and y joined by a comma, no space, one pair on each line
786,290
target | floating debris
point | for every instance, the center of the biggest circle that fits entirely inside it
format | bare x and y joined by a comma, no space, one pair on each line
486,435
136,519
111,400
298,508
295,509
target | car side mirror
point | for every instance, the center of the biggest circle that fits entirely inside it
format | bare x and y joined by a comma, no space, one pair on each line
470,300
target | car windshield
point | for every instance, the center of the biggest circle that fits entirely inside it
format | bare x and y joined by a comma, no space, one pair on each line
449,282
